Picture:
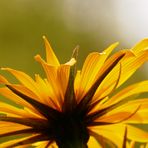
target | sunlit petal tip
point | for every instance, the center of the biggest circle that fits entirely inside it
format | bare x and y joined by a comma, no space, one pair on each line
50,55
101,53
6,69
9,69
115,44
111,47
44,37
71,62
38,58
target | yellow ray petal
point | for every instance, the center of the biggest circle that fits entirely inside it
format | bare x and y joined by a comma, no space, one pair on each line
137,134
114,133
50,56
46,92
142,114
92,143
57,78
77,83
119,113
51,73
62,78
11,110
88,73
26,80
109,66
128,91
106,88
128,66
142,45
9,143
16,99
40,144
91,67
9,94
28,93
7,127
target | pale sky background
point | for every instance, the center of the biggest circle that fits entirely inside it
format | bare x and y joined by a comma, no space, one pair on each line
128,18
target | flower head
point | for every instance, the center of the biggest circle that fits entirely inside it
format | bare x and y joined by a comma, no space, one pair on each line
76,109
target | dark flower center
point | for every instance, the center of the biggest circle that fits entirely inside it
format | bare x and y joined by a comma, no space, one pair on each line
70,132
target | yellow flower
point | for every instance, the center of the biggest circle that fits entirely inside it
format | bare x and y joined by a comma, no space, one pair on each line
76,109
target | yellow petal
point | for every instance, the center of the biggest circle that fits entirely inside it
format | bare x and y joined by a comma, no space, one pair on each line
26,80
91,67
93,143
122,114
114,133
129,91
46,92
63,78
40,144
140,46
16,99
50,56
51,73
128,66
57,78
11,142
137,134
11,110
77,83
7,127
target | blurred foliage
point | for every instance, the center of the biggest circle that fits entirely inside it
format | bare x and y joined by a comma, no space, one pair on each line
24,22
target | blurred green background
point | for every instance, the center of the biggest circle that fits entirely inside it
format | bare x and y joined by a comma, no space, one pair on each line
93,25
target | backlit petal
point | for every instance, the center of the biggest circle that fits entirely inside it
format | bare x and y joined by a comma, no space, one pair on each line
142,45
137,134
50,56
93,143
114,133
91,67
